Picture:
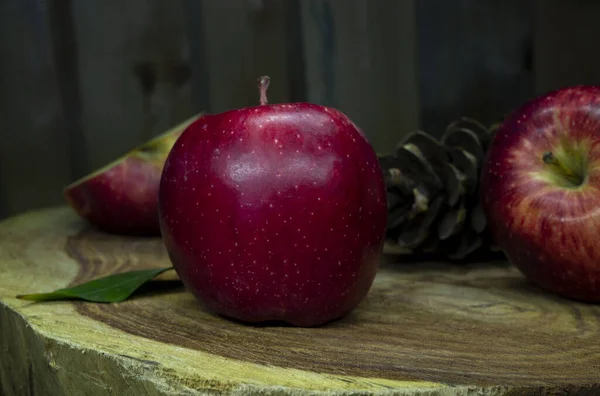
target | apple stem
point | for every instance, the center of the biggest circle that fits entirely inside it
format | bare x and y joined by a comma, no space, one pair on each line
550,159
263,85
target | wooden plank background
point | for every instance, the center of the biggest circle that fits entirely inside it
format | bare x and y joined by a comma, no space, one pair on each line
81,82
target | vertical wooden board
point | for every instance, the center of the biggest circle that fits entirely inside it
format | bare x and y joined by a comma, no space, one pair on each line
394,98
474,59
361,58
195,35
34,146
566,44
64,46
318,47
228,55
135,75
244,40
268,32
296,66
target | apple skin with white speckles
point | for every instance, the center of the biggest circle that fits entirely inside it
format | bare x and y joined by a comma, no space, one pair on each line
274,213
540,189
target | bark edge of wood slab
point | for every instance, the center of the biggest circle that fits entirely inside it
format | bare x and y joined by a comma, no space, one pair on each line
425,329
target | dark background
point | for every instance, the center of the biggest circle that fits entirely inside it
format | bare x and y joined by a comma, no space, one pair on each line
83,81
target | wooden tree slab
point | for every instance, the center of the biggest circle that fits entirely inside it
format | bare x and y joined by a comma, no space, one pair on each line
425,329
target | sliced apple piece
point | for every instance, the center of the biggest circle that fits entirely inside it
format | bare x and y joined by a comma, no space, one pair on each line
122,197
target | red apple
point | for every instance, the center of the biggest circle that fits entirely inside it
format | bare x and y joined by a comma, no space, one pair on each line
274,212
122,197
541,191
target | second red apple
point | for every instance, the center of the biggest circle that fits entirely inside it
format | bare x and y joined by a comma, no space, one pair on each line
541,191
122,197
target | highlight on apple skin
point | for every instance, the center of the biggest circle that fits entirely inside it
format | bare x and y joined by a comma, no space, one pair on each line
541,191
274,213
122,197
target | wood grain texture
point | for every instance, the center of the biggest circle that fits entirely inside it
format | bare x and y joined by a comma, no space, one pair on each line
425,329
564,41
474,59
34,152
243,41
135,77
361,58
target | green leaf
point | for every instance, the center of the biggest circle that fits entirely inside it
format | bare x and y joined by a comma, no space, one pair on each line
111,288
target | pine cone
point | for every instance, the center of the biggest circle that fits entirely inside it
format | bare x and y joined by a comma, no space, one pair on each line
432,191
